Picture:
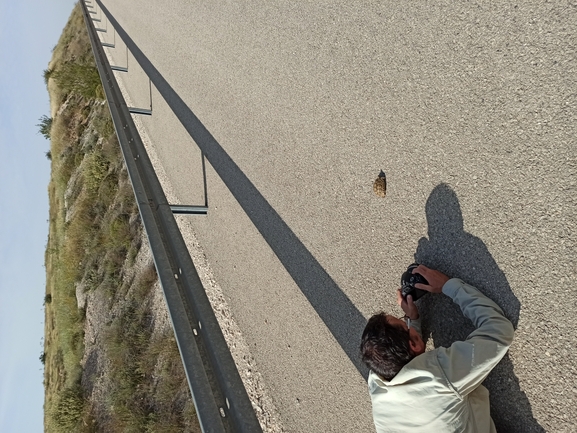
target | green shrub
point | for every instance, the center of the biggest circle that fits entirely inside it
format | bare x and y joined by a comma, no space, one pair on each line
95,171
47,74
79,78
68,409
45,126
103,124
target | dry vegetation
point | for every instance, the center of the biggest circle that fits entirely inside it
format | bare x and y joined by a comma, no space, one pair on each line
111,363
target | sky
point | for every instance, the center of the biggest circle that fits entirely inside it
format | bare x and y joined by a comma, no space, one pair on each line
29,29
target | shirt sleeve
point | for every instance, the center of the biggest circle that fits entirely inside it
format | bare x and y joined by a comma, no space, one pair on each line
467,363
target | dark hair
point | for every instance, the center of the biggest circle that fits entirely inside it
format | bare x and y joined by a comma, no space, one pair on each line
385,347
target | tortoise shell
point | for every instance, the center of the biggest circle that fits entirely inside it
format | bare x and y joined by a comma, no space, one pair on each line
380,185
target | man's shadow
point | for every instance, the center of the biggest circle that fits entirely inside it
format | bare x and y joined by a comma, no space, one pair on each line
460,254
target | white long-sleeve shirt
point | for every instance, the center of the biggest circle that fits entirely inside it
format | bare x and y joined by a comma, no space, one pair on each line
440,390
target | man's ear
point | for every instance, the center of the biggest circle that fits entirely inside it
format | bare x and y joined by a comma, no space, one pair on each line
413,346
416,343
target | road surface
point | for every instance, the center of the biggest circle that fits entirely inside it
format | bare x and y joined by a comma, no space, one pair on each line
469,108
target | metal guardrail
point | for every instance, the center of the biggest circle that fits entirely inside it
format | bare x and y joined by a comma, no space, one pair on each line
219,396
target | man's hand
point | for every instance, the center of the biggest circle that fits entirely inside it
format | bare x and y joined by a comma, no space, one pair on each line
436,279
408,305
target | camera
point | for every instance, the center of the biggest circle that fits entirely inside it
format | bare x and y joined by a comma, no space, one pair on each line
408,281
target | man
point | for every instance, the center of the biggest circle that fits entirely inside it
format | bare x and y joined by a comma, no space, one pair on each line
440,390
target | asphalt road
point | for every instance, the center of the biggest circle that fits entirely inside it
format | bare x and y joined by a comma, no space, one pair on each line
470,109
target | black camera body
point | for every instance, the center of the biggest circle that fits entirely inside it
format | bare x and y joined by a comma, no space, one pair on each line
408,281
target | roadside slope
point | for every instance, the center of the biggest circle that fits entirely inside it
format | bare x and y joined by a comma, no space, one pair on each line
111,362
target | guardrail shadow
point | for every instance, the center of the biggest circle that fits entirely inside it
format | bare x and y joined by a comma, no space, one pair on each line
340,315
460,254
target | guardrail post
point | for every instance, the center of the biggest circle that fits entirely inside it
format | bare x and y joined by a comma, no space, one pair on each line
204,179
106,44
188,210
145,111
122,68
104,30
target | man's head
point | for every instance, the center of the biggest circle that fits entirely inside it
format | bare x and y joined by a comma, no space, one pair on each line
388,345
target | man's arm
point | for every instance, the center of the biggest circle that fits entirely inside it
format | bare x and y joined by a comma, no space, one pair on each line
467,363
411,311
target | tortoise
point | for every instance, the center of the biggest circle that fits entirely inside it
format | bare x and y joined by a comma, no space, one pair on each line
380,185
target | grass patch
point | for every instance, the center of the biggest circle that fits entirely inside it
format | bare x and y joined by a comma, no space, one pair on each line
82,79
